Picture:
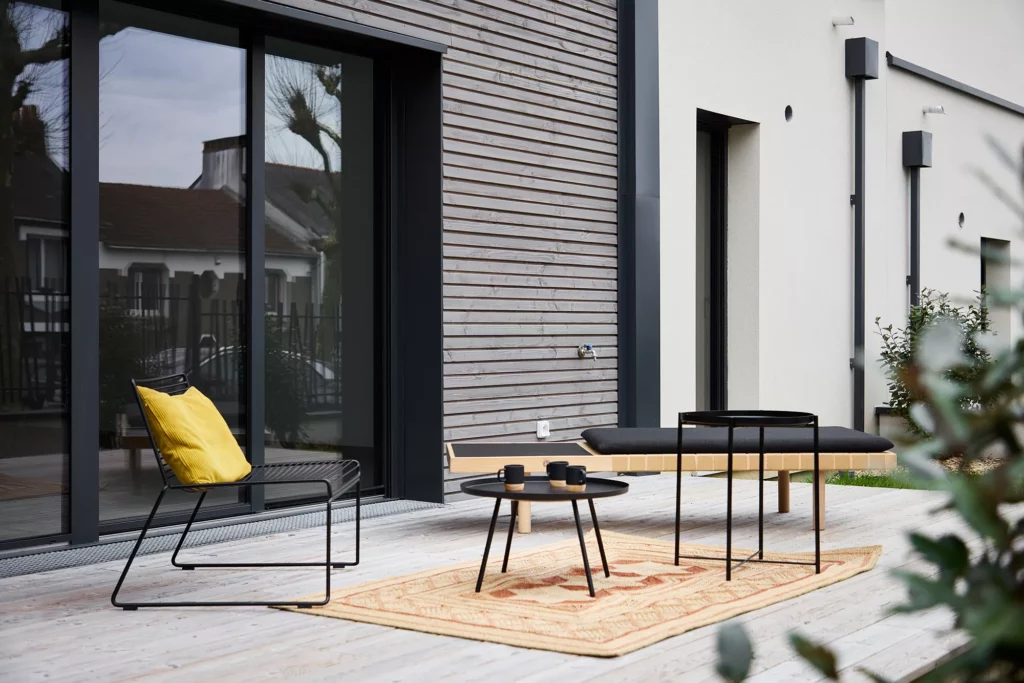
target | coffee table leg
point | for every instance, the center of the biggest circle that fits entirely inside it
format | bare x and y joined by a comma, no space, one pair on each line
487,547
511,527
597,532
583,547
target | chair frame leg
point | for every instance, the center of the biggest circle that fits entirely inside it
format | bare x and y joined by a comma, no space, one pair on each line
242,565
327,564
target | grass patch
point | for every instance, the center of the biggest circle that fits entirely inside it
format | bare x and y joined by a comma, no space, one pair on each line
894,479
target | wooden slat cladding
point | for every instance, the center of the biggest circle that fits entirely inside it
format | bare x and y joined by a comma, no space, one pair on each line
530,193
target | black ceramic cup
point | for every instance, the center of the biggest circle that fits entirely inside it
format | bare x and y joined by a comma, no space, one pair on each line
576,477
514,477
556,472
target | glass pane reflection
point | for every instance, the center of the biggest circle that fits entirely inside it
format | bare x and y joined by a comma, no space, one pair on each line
320,274
172,233
34,313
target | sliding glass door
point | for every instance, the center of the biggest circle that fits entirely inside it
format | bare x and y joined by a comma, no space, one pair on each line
320,357
238,238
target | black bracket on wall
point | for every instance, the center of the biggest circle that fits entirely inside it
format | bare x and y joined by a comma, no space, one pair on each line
917,154
861,66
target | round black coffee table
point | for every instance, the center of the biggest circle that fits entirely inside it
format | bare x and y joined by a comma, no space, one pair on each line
540,489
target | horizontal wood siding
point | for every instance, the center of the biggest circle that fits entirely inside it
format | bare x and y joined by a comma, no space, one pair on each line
530,159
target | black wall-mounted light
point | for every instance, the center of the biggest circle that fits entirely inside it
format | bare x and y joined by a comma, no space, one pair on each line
917,154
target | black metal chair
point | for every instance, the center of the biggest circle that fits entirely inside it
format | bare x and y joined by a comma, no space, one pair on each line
339,477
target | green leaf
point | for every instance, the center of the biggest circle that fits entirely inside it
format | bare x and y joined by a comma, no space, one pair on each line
818,656
925,593
877,678
949,553
979,510
735,653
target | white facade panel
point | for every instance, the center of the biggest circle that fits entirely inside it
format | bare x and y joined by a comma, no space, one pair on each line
790,221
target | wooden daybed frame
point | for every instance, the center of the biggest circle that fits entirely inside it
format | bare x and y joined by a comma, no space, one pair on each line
534,457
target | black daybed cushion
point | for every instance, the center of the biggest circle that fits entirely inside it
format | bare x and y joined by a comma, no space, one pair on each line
640,440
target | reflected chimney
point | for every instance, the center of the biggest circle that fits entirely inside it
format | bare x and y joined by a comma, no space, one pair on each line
29,130
223,164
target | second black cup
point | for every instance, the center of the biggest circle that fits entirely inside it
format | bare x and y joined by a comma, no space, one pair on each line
556,473
576,478
514,477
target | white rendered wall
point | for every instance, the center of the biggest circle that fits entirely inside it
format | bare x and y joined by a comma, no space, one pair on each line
790,220
790,228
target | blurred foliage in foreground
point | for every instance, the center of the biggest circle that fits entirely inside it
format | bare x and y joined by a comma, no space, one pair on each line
969,404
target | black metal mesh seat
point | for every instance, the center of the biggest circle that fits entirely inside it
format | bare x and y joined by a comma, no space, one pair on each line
341,476
338,477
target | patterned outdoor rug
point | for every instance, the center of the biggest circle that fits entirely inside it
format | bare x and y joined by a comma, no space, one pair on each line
542,602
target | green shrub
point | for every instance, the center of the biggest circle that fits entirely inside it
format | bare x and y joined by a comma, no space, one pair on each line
900,345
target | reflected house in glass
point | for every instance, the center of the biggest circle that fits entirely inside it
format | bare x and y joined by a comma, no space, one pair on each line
169,258
164,247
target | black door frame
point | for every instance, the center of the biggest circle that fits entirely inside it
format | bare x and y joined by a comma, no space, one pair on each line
718,371
409,248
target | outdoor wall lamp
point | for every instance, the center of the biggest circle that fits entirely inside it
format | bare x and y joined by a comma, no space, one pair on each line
917,154
934,109
842,21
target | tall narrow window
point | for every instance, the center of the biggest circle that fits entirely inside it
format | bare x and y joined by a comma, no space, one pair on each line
995,276
321,354
172,235
34,322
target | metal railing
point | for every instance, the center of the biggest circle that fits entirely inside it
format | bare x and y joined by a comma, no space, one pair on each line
158,331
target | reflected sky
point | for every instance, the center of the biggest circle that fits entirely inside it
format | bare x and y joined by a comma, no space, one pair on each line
161,96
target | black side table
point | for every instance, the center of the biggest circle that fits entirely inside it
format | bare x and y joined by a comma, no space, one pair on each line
540,489
748,418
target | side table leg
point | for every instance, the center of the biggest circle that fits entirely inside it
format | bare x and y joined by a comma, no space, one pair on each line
600,543
819,502
487,546
511,528
819,487
583,547
760,500
728,514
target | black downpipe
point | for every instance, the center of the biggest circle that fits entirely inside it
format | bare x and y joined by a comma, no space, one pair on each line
861,65
858,256
915,236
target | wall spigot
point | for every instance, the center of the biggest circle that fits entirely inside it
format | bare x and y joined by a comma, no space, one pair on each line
585,350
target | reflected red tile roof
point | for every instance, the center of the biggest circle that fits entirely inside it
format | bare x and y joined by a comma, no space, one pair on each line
145,216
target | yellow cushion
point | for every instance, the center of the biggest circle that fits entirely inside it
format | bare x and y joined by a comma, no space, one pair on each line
196,442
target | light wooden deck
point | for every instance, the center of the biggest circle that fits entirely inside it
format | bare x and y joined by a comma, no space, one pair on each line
59,626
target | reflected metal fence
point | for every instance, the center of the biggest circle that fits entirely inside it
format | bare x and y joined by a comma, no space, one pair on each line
162,330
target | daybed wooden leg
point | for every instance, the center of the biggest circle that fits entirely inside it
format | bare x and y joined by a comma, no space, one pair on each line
524,516
821,499
783,491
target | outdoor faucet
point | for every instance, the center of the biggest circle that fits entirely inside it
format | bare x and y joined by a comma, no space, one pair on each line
585,350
